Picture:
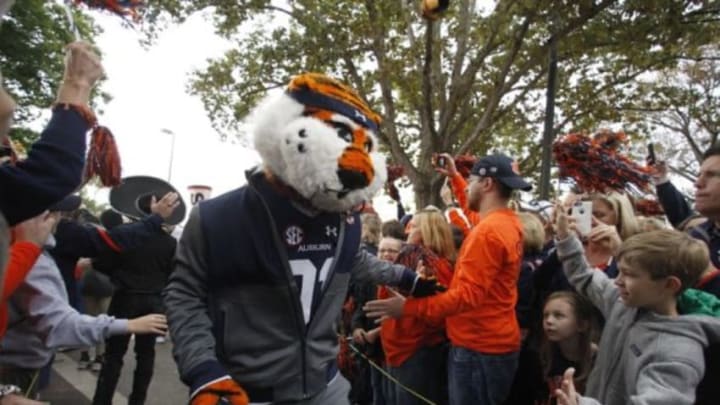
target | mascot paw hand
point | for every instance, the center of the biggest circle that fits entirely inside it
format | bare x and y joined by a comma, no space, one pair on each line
222,392
425,287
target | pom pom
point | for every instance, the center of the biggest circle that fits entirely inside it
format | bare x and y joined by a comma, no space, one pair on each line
433,9
124,8
595,163
394,173
649,207
464,164
103,159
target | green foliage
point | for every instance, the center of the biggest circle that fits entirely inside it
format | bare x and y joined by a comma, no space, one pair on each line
89,199
681,110
472,82
34,35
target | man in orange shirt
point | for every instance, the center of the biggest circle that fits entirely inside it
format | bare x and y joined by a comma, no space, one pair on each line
479,306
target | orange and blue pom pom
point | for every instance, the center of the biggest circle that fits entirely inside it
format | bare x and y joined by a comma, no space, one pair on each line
596,165
434,9
125,8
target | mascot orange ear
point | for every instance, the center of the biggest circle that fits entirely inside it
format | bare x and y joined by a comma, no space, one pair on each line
433,9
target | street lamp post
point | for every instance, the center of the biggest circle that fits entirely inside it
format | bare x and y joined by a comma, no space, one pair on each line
172,151
549,131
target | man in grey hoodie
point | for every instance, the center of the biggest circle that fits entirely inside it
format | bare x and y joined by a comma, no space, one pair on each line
651,350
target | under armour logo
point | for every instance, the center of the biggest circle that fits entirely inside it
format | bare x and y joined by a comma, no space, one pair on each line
331,231
293,235
360,116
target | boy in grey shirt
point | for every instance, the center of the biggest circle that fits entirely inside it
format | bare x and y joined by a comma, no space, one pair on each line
651,350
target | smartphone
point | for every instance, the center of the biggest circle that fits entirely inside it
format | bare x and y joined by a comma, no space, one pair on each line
582,212
438,160
651,154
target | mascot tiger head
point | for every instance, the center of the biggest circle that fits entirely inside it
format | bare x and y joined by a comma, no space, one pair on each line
318,138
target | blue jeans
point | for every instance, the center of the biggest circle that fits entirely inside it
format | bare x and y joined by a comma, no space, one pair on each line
378,387
421,373
480,379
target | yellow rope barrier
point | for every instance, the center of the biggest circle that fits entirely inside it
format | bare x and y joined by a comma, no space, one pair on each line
389,377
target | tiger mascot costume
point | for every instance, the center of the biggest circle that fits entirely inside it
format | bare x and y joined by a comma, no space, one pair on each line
262,271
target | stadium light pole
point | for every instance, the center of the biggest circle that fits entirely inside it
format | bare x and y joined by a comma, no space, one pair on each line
172,151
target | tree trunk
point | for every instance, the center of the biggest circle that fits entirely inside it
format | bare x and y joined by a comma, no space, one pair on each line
427,190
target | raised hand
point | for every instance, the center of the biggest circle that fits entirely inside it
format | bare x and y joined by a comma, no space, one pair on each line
82,64
562,224
567,395
166,206
449,169
604,239
82,71
659,172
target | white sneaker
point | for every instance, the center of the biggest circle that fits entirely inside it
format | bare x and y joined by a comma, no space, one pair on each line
97,364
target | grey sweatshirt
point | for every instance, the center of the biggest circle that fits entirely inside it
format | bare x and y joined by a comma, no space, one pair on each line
644,358
41,320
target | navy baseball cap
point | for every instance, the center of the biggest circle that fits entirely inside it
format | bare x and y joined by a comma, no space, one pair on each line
67,204
503,169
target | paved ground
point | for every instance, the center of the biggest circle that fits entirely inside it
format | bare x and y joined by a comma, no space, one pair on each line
70,386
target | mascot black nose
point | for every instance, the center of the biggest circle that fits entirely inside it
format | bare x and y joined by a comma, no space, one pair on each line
352,180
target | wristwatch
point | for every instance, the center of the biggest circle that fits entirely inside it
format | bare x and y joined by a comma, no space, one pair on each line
7,389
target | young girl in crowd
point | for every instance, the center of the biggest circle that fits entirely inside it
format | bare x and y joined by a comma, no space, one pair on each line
569,325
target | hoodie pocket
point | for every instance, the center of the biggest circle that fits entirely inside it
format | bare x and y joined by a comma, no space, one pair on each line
260,329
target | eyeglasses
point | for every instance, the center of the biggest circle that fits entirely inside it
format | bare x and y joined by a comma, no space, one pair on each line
381,251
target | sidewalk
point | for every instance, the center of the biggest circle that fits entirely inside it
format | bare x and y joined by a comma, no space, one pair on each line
70,386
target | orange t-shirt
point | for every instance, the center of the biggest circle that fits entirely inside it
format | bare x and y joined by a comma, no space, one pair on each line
479,306
23,256
401,338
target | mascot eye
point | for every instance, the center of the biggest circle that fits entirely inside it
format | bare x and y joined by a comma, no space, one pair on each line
343,131
368,145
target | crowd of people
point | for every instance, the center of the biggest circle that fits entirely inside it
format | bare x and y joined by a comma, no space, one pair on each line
626,313
488,300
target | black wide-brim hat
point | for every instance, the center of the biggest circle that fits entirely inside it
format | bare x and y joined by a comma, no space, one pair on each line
133,195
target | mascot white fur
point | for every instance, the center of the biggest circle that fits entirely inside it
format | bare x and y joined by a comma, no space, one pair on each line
262,271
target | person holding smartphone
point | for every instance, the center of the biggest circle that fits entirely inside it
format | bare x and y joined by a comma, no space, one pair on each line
458,185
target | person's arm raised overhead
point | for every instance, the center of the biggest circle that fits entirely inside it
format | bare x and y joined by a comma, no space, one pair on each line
54,165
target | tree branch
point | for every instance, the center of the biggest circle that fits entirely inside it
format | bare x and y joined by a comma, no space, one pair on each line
390,137
427,114
498,93
461,85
